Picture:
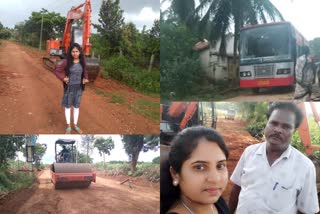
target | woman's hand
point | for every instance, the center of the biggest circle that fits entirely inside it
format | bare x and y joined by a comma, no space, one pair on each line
66,80
84,81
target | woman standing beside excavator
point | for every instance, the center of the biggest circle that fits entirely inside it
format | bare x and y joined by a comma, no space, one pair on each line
74,75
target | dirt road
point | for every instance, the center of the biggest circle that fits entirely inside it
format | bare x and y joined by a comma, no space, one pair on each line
31,100
237,139
105,196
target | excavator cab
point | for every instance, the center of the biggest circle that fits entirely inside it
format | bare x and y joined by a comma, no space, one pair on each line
65,173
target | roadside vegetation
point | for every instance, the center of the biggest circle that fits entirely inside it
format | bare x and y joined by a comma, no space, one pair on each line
150,171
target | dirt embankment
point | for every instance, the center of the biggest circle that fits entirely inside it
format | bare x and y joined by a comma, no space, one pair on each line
107,195
237,139
31,100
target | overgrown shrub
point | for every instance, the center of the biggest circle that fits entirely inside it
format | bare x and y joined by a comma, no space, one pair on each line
256,129
15,180
180,77
123,70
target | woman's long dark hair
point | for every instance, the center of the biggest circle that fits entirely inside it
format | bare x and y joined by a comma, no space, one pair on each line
181,148
70,61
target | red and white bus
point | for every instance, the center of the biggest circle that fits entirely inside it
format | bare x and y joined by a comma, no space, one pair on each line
268,54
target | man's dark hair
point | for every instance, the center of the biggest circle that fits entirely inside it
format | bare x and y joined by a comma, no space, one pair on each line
289,106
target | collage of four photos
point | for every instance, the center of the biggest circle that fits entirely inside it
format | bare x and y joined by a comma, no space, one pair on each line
159,106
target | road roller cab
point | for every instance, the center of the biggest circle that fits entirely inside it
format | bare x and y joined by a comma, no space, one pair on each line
67,174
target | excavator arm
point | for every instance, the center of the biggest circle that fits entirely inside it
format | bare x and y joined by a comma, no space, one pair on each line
304,131
60,49
75,14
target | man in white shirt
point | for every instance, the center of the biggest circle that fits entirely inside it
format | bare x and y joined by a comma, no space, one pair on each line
274,177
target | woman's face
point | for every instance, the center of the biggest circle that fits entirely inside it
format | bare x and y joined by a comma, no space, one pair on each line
204,175
75,53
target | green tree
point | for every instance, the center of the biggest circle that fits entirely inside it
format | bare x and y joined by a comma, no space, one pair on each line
5,33
153,43
134,144
29,31
104,146
83,158
130,43
9,145
111,20
87,144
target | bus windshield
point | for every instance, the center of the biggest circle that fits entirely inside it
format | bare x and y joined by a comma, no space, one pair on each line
265,43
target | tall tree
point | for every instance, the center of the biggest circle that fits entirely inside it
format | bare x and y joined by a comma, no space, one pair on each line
9,145
133,144
153,44
104,146
111,20
130,43
87,144
29,31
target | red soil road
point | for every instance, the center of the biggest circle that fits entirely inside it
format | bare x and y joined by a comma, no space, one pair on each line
31,100
105,196
237,139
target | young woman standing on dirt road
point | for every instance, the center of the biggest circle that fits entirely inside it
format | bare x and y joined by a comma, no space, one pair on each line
73,73
194,175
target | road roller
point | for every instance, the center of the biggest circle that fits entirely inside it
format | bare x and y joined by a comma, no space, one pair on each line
65,173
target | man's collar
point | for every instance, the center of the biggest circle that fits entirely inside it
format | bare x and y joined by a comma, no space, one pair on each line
262,150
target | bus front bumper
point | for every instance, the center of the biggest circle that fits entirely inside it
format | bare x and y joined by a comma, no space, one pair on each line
266,82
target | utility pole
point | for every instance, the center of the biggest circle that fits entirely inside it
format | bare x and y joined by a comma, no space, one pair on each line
41,33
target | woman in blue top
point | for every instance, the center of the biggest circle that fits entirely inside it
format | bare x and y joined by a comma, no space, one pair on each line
73,73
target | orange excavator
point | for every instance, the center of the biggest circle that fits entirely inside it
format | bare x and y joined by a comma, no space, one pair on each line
176,116
58,49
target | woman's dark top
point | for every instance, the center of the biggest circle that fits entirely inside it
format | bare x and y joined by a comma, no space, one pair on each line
221,206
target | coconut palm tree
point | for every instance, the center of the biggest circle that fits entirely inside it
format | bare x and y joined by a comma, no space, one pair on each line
214,18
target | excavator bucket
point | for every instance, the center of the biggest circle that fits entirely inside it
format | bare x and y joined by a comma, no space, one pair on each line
71,175
93,68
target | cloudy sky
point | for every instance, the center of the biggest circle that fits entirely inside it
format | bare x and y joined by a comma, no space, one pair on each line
140,12
303,14
117,153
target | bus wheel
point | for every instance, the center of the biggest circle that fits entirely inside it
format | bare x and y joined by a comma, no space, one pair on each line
255,90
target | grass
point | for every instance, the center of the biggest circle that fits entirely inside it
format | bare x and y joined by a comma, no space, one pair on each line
150,171
115,98
147,108
11,179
